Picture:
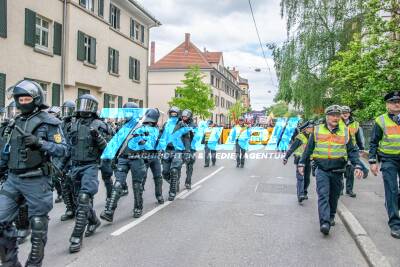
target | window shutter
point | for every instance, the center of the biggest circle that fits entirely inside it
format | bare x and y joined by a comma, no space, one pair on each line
3,18
101,8
120,101
118,15
116,62
106,101
140,103
131,68
138,70
109,59
57,38
132,29
142,32
81,46
55,95
92,56
109,18
2,89
30,27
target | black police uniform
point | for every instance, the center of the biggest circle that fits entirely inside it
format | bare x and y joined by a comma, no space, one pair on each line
106,168
34,137
87,144
191,158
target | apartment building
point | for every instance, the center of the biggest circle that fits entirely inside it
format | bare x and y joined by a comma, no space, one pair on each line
167,74
102,50
244,85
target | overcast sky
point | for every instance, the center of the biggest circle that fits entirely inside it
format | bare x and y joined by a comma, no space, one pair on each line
227,26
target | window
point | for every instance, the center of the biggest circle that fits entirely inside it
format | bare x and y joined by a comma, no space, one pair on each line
100,7
114,16
217,101
86,48
137,31
212,79
134,69
222,102
42,32
88,4
44,87
113,60
112,101
83,92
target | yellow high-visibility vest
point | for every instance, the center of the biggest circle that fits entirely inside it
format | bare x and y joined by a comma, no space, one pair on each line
304,140
330,145
390,143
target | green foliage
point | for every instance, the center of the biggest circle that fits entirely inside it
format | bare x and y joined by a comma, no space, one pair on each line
194,95
316,31
237,110
370,67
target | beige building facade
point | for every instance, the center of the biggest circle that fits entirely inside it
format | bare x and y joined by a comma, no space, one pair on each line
167,74
106,48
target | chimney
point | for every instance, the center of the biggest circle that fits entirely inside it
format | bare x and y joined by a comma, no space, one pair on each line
153,53
187,41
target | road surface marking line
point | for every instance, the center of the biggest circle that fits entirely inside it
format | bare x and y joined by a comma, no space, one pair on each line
132,224
208,176
190,192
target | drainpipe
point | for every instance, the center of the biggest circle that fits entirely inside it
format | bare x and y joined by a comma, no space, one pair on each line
63,45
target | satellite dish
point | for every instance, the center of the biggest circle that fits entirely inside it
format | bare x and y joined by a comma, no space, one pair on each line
257,70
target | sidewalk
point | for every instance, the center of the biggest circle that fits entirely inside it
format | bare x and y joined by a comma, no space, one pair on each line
368,208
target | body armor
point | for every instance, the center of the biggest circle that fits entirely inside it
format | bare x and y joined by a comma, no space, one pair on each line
22,157
84,148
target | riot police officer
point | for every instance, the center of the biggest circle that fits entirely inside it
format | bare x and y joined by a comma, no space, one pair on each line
152,159
106,168
384,149
87,143
187,117
67,185
172,158
56,180
331,146
130,158
34,137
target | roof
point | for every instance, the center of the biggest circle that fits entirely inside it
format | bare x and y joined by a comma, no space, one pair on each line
213,57
141,8
179,58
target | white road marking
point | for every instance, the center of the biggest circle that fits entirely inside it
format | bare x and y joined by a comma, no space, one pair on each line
259,214
255,189
132,224
190,192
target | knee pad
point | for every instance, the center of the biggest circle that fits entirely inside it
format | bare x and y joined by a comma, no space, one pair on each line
39,224
174,172
84,199
118,185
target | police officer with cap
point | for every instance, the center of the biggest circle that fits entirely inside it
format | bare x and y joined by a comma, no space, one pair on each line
331,146
87,143
297,147
34,137
240,152
385,151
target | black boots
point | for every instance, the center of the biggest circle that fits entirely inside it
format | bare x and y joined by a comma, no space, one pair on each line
82,214
158,182
111,204
38,240
138,205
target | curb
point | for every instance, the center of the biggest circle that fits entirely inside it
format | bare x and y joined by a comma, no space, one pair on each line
367,247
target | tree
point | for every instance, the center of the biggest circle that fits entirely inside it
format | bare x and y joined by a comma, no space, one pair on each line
317,30
237,110
370,67
194,95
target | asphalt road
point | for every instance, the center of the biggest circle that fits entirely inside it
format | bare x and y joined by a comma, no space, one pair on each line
231,217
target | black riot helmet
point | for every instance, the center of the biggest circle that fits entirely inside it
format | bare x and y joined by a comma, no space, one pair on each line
128,114
68,108
86,105
187,113
12,110
54,110
32,89
174,110
151,115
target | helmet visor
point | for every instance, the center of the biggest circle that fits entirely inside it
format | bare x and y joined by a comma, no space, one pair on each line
67,111
86,105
